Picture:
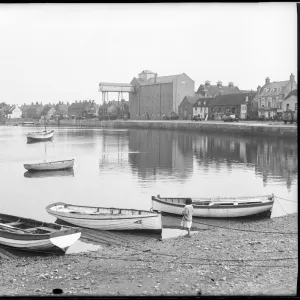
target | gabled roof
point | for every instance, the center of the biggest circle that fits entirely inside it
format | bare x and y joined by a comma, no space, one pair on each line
80,105
230,99
213,90
192,99
292,93
46,110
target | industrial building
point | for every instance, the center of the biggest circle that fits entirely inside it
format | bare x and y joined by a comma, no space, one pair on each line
158,97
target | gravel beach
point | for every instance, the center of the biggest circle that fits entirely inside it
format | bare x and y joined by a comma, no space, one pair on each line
215,261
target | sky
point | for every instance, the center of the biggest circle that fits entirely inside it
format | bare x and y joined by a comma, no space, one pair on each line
61,52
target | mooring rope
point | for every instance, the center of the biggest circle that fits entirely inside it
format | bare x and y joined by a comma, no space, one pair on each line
286,199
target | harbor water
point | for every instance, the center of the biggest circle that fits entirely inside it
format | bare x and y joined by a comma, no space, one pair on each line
124,167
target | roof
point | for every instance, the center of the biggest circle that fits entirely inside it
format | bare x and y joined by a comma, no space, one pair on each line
192,99
159,79
275,88
46,110
80,105
230,99
292,93
212,90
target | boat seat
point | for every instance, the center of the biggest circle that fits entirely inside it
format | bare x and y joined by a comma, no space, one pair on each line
47,229
30,229
13,223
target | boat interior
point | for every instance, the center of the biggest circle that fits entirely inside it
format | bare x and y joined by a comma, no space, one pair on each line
98,210
217,201
22,225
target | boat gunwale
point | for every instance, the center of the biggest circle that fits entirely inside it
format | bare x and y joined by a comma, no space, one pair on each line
47,163
149,214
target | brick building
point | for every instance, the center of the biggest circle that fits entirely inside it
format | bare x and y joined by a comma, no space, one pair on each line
156,97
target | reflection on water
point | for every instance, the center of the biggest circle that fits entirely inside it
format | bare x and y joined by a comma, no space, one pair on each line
44,174
124,168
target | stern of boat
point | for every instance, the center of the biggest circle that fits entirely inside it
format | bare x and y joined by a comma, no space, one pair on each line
64,239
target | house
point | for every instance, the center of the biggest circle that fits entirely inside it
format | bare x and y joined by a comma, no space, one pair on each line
33,111
48,112
185,108
61,110
270,97
216,107
113,109
155,96
291,101
207,90
83,109
14,112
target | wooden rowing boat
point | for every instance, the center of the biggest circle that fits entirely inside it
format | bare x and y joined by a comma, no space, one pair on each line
40,136
215,207
50,166
106,218
32,235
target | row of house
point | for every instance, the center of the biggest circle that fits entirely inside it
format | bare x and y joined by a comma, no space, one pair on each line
157,96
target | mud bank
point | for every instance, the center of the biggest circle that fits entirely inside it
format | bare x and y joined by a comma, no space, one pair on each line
214,261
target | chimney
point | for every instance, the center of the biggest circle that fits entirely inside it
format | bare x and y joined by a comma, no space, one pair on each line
219,84
267,80
155,78
292,77
207,83
230,84
258,89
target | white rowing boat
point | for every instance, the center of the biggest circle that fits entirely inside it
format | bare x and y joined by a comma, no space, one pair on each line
215,207
106,218
50,166
40,136
32,235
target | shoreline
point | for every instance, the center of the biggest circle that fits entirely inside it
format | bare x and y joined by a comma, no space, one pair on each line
214,261
244,128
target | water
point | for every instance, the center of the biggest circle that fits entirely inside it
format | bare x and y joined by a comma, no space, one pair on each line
124,168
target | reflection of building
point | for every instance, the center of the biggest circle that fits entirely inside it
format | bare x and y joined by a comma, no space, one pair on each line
271,158
164,152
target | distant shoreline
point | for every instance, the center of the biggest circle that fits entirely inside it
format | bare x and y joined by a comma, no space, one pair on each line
244,128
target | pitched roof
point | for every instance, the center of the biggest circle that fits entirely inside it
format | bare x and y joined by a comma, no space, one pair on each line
46,110
230,99
80,105
192,99
292,93
214,89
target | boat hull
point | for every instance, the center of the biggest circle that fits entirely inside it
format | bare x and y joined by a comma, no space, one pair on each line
139,222
50,166
213,211
40,136
36,236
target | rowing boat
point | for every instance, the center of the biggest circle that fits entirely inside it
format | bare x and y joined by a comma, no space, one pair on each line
40,136
51,165
106,218
215,207
32,235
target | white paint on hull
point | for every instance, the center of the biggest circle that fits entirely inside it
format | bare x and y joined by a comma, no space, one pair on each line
50,166
150,223
65,241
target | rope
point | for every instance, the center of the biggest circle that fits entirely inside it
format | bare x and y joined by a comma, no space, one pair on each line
270,232
283,208
191,263
286,199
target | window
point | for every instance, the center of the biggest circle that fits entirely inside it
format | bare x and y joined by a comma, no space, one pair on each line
287,106
262,102
296,106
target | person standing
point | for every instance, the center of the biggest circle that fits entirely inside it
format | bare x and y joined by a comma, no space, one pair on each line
187,217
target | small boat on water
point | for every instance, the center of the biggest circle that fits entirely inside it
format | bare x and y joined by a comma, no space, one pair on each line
40,136
215,207
28,123
32,235
51,165
106,218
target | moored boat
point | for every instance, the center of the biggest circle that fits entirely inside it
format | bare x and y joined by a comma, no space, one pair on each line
32,235
215,207
106,218
40,136
51,165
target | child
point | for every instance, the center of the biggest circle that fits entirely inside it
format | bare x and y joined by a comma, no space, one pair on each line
187,216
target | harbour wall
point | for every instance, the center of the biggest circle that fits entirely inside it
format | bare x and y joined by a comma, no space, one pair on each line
250,128
246,128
